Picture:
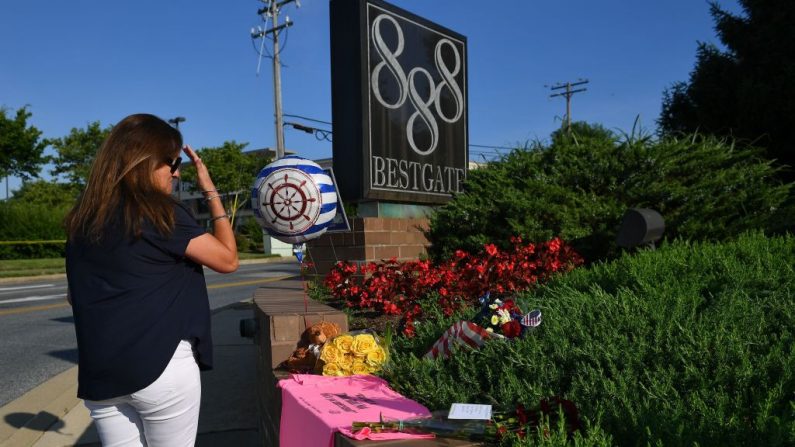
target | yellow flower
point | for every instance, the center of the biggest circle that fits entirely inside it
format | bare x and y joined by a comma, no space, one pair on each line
360,368
376,357
363,343
494,320
343,342
331,369
488,329
345,362
330,353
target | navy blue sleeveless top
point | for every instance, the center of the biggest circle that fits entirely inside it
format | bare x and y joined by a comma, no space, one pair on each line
133,300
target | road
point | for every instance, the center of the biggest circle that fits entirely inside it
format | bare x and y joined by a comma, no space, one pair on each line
37,337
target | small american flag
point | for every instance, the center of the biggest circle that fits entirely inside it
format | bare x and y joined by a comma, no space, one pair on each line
461,333
532,319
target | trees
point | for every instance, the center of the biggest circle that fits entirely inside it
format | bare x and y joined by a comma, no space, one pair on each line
76,151
42,192
20,145
233,172
746,91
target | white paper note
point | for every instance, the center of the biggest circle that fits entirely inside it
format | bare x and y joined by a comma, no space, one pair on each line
469,411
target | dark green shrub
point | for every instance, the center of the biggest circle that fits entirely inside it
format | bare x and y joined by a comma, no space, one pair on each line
692,343
579,186
249,236
32,250
39,223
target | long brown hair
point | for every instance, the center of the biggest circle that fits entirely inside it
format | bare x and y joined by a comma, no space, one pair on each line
122,176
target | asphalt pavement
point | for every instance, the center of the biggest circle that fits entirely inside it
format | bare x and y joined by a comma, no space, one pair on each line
39,406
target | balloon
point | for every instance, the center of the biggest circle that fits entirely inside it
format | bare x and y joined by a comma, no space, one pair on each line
294,199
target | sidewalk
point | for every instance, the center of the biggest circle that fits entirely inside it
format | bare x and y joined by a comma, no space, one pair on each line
51,415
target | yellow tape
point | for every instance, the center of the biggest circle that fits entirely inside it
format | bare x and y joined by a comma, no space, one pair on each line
31,242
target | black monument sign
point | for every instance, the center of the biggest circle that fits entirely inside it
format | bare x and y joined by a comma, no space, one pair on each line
399,104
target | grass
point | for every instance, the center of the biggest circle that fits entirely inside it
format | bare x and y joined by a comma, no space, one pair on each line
16,268
31,267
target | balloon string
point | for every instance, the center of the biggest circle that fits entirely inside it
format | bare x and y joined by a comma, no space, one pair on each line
306,298
331,241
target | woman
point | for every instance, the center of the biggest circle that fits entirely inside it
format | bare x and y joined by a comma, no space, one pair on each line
134,260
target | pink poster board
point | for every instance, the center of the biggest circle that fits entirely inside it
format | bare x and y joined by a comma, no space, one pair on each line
314,407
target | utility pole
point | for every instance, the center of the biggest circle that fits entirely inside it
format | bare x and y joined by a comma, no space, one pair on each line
568,94
272,11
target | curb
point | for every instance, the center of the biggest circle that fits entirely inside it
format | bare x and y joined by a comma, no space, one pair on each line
43,406
23,279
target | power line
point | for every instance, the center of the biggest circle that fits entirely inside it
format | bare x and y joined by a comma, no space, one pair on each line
324,134
307,119
492,147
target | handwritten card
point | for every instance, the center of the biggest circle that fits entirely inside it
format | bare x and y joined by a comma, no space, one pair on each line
469,411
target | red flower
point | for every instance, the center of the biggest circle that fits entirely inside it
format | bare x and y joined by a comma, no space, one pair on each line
491,249
511,329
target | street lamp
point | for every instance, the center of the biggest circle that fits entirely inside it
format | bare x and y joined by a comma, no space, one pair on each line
176,120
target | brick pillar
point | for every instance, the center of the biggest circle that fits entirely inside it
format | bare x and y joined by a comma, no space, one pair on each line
282,316
370,239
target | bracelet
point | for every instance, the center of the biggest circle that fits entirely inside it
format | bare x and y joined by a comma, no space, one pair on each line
209,190
207,199
218,218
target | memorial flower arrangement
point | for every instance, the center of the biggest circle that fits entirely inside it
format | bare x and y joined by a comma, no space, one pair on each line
350,353
501,317
551,414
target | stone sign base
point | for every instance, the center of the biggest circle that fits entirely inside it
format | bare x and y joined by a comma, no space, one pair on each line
370,239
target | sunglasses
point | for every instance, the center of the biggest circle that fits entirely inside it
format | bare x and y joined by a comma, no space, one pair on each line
174,164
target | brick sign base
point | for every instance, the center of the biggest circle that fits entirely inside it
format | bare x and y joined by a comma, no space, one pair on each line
370,239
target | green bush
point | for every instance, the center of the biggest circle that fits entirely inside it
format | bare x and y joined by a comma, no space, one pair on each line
691,343
249,236
579,186
32,222
32,249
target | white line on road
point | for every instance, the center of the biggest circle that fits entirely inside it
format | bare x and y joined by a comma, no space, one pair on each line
33,298
39,286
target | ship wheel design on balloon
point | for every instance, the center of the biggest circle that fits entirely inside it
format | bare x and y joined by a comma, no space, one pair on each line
290,203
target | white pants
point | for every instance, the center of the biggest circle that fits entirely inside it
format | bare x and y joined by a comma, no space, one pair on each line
166,413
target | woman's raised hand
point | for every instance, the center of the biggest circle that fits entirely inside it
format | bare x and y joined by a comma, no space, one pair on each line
203,180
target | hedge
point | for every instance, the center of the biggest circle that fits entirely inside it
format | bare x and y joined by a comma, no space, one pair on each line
579,186
31,230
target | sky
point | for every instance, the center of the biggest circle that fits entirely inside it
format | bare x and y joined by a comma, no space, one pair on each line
76,62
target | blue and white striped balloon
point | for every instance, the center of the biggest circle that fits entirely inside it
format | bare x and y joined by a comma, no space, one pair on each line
294,199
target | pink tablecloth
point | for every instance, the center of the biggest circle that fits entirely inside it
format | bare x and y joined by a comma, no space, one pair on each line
314,407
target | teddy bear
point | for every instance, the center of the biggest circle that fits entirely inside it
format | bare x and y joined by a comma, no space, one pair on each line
308,351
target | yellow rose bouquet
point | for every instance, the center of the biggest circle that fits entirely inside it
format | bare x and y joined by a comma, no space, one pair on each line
361,352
